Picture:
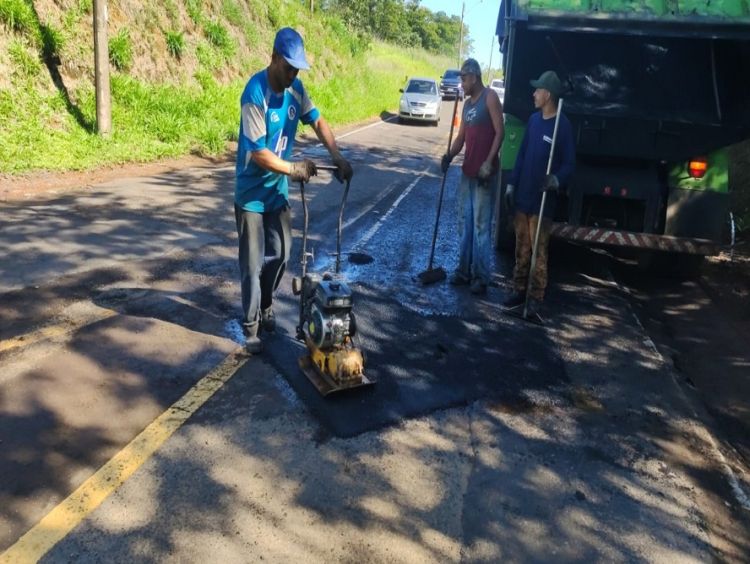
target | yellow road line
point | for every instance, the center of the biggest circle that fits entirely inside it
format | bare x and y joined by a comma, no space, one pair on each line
69,513
47,333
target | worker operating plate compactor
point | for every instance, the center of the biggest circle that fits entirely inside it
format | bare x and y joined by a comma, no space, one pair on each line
326,321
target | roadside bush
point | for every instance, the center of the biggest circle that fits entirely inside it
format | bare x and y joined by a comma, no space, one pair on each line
217,34
121,50
175,43
18,15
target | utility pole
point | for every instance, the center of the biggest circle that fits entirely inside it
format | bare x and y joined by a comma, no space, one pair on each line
461,34
101,69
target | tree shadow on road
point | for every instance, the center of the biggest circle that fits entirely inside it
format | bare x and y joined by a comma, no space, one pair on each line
485,439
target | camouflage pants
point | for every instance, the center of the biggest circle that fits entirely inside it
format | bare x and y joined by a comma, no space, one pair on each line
525,228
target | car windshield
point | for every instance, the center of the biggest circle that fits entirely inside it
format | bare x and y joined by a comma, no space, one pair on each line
452,74
497,84
421,87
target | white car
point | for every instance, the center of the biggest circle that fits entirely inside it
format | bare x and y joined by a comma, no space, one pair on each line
420,100
498,85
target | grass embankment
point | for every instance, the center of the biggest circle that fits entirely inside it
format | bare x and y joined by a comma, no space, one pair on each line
204,51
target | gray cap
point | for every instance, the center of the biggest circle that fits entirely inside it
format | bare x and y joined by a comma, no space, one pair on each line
471,66
549,81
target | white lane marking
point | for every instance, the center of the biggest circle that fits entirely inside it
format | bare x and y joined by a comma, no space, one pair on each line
365,127
384,194
318,145
375,228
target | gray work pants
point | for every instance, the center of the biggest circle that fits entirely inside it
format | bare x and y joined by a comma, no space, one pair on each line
265,240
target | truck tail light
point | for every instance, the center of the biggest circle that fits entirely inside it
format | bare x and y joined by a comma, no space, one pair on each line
697,167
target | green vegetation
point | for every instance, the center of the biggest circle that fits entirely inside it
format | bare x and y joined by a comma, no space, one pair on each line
155,121
192,104
175,43
121,50
233,13
402,22
18,15
193,8
25,65
219,37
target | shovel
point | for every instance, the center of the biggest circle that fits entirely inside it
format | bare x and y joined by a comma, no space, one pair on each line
432,275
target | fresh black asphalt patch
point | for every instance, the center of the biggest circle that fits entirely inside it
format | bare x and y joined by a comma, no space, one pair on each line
423,364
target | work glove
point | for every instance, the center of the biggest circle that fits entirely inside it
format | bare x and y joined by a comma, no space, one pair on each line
485,171
344,171
510,196
301,171
445,162
550,184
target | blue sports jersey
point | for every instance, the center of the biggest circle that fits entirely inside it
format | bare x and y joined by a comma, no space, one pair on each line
269,121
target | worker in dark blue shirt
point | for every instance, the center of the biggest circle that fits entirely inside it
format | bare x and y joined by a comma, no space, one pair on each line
529,180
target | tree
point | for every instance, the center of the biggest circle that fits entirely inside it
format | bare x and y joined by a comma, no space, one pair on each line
404,23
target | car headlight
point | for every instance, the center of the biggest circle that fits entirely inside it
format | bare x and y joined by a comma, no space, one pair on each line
404,105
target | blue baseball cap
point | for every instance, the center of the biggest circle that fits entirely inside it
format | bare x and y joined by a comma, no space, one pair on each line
289,44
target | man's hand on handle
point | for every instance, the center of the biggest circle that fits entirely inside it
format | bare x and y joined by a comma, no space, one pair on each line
445,162
550,183
301,171
344,171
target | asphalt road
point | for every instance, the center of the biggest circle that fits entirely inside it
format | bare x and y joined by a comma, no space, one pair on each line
485,438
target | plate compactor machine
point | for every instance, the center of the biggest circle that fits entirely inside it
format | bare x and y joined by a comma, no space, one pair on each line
326,322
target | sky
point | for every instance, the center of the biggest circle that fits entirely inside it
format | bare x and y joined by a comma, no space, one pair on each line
480,16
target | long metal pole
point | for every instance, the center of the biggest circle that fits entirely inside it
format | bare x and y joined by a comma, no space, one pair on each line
101,69
540,218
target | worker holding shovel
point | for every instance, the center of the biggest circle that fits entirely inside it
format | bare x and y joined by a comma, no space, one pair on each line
482,132
545,161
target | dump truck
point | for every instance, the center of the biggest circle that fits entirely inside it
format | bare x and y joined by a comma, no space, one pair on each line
656,90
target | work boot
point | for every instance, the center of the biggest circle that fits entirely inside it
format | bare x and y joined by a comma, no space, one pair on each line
515,299
267,320
253,344
478,287
458,278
